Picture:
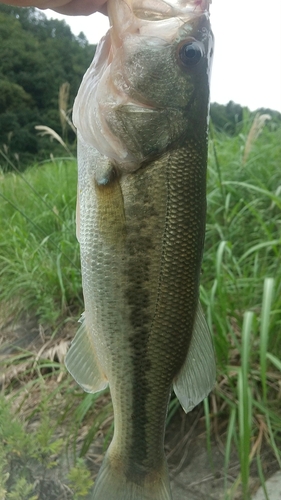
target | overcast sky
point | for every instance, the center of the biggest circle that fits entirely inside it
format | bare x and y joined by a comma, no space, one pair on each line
247,62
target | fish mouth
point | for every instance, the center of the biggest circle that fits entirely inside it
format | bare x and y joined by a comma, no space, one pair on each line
142,17
157,10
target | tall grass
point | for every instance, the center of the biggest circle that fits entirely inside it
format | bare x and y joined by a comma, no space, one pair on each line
241,289
39,254
240,285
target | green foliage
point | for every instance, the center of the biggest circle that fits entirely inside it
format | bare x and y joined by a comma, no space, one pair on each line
39,254
47,448
22,453
13,97
227,118
241,289
14,440
243,235
80,480
22,491
37,56
231,118
15,446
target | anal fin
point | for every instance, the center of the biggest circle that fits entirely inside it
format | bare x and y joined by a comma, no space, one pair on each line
81,361
198,373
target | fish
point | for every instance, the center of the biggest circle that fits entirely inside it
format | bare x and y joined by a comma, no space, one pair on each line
141,115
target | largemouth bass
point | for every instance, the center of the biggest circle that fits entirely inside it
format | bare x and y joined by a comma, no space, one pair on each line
142,117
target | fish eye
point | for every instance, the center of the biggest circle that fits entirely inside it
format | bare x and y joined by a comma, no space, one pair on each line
190,53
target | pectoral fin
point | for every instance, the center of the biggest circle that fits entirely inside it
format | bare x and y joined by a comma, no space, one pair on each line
82,363
198,373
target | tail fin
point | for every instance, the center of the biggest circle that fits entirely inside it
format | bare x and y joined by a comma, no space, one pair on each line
113,484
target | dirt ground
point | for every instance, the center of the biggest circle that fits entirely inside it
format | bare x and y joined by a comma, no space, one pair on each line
195,472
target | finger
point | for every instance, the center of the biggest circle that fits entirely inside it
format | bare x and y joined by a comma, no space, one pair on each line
40,4
81,7
68,7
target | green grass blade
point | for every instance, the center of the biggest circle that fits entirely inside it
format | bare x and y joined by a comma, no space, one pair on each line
259,246
256,189
245,405
208,426
275,361
261,476
264,329
228,446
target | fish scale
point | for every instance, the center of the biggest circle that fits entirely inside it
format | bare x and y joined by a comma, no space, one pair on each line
142,155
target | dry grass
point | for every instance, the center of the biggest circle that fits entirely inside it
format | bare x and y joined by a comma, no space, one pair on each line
44,130
256,129
64,110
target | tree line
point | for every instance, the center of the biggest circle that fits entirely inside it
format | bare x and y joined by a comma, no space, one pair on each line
37,56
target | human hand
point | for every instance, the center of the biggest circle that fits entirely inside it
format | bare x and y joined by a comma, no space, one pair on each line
67,7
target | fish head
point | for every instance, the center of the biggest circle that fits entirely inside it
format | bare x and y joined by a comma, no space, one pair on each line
149,85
